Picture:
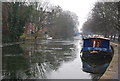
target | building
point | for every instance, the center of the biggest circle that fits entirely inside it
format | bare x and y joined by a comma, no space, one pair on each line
30,28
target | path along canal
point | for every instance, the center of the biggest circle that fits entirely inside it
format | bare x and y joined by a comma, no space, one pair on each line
46,59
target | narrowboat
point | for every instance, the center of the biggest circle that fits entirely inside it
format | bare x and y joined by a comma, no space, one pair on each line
97,48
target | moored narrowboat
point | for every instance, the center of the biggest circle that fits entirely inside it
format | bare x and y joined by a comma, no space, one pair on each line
97,47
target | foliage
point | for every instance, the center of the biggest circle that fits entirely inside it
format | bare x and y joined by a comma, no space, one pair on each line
60,24
104,19
18,16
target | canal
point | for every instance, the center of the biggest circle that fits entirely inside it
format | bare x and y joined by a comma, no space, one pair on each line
45,59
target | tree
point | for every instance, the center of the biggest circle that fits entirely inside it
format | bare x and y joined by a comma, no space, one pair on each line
62,23
118,27
58,22
5,30
18,15
104,19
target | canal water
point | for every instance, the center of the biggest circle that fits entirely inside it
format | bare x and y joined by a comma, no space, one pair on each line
45,59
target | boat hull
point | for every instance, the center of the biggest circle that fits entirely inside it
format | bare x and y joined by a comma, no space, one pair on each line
97,55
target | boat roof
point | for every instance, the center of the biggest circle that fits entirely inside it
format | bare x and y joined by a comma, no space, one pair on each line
96,38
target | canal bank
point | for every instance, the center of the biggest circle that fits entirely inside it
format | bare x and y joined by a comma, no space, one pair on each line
112,70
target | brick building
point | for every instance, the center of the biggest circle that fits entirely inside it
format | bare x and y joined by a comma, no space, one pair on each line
30,28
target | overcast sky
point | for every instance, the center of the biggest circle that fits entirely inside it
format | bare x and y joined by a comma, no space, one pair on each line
80,7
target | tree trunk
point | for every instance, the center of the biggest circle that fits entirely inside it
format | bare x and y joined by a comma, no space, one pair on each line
119,37
106,36
114,38
111,37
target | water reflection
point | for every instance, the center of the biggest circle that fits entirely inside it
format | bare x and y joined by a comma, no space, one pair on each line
13,62
47,56
96,67
36,59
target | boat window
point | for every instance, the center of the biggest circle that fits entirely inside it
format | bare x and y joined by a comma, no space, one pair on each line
96,43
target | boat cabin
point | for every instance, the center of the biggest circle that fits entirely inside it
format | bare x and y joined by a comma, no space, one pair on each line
99,44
